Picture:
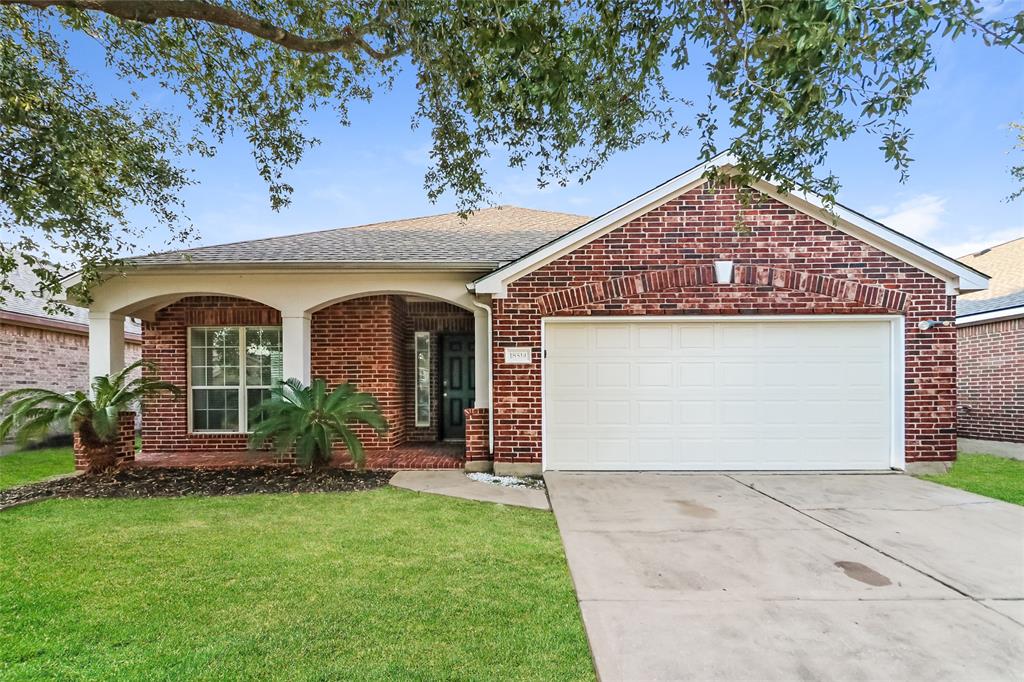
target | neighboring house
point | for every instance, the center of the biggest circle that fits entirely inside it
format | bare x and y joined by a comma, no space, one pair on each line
43,350
990,348
657,336
46,350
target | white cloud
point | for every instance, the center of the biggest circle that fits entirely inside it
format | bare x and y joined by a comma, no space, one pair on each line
916,217
923,217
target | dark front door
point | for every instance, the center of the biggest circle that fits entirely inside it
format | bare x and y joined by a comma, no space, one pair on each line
457,388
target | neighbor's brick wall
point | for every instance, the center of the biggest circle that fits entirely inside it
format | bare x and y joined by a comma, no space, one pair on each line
991,381
45,358
694,230
165,342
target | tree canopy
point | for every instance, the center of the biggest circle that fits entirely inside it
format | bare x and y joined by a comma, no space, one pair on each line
560,85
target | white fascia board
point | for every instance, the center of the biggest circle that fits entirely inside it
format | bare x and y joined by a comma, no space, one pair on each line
958,276
495,282
990,316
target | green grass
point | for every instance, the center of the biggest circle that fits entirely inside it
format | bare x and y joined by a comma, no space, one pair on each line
385,584
28,466
996,477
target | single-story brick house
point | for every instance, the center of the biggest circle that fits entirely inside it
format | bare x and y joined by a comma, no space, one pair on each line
657,336
990,352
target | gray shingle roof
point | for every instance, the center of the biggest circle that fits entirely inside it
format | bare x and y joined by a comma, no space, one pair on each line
973,307
1004,263
24,280
488,236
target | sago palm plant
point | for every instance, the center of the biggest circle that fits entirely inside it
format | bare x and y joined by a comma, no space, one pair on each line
309,419
94,416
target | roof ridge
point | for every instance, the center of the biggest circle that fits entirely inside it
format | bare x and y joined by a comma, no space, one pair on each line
350,227
982,252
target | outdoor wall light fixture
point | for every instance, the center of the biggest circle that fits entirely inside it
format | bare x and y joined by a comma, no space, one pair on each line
925,325
723,271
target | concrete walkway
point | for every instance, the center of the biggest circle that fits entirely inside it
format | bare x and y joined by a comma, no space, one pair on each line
457,484
793,577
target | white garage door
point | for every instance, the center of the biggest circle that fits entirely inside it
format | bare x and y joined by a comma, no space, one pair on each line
707,394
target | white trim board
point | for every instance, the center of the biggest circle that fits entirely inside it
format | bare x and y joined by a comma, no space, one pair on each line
958,276
897,350
990,316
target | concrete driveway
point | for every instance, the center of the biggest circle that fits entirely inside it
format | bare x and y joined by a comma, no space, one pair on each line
793,577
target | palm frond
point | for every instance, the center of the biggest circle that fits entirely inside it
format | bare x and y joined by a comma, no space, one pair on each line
309,419
30,412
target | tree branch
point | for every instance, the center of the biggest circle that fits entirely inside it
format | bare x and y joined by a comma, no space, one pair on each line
149,11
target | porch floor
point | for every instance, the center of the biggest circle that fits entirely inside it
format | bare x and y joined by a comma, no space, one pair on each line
406,456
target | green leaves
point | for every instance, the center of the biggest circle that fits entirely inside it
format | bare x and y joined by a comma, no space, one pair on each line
308,419
31,412
556,85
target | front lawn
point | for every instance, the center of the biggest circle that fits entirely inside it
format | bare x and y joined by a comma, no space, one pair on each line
987,475
29,466
385,584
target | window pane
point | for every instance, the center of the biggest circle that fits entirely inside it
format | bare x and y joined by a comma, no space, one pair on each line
215,363
262,356
422,379
215,409
255,397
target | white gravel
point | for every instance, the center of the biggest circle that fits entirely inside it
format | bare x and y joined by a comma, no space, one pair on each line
507,481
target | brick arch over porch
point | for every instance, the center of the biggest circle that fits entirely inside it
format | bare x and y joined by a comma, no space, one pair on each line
700,275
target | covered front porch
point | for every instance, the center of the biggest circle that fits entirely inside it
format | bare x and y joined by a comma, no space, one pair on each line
420,347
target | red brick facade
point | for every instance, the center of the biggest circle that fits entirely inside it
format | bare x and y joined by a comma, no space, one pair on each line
366,341
477,445
658,264
124,447
165,342
788,263
991,381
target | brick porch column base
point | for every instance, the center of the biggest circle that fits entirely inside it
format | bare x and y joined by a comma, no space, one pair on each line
124,446
478,454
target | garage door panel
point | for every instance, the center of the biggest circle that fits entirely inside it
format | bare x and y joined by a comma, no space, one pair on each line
570,412
611,412
568,374
653,413
694,374
718,395
611,337
694,335
695,412
653,337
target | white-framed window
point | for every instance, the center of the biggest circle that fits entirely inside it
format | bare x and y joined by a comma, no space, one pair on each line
231,371
422,402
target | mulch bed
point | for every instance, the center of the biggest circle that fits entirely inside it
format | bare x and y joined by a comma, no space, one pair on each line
179,482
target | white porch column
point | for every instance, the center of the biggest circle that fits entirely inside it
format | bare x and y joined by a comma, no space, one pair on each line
295,346
106,344
482,356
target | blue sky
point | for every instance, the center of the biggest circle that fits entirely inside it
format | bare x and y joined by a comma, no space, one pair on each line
373,170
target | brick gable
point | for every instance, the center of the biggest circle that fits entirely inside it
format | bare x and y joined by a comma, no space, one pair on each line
788,263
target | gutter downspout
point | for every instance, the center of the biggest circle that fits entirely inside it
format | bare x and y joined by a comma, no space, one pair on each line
490,377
